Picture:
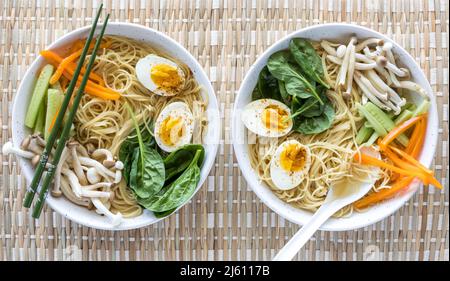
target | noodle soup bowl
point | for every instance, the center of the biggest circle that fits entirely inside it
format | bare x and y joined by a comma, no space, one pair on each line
339,33
158,41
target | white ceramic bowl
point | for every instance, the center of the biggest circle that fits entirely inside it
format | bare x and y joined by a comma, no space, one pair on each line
337,33
157,40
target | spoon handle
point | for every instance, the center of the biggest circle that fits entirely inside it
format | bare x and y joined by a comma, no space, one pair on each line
294,245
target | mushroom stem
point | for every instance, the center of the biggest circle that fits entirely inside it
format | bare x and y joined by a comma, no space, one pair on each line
341,78
100,153
370,95
68,193
76,163
102,170
368,42
382,96
119,168
328,48
341,50
73,181
92,175
351,70
116,219
57,185
97,186
378,82
9,148
95,194
412,86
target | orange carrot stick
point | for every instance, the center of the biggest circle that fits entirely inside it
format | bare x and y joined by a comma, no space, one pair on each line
368,160
393,134
72,57
383,194
418,146
56,59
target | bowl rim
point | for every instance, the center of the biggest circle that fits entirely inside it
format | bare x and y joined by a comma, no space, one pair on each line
213,108
280,207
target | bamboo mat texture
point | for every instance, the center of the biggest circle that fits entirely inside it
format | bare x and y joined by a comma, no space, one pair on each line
225,220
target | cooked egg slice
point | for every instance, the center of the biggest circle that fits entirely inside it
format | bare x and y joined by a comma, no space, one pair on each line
160,75
267,118
290,164
174,126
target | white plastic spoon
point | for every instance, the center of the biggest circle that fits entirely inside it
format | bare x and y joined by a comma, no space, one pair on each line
339,196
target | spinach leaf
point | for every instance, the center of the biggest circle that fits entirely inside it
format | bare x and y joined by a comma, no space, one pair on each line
164,214
146,176
315,125
296,84
177,161
287,99
266,87
310,63
309,107
178,192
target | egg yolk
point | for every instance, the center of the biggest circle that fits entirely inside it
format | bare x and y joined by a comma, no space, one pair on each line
293,158
165,76
171,130
274,118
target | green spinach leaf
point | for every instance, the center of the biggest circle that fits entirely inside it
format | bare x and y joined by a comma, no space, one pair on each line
266,87
177,161
178,192
296,84
315,125
310,63
146,176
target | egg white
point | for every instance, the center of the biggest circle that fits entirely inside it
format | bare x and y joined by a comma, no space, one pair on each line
285,180
252,114
143,73
175,110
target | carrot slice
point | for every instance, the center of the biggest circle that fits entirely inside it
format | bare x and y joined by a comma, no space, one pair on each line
394,133
368,160
414,137
51,56
383,194
72,57
418,146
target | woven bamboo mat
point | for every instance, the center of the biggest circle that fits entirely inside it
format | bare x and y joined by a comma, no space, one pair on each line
225,221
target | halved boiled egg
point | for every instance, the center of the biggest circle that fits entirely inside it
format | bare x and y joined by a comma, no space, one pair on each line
174,126
267,118
160,75
290,164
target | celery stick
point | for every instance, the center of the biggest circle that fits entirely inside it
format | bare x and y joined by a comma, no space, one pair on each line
373,138
40,121
363,134
57,86
376,125
405,115
422,108
386,122
38,95
54,100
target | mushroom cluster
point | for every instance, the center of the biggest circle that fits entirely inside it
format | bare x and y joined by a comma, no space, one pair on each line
371,64
85,176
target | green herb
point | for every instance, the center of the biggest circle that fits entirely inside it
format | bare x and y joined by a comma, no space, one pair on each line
266,87
310,63
287,99
315,125
179,191
146,174
177,161
296,84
